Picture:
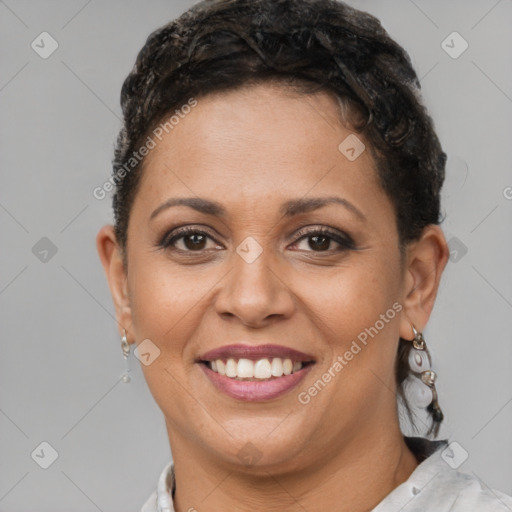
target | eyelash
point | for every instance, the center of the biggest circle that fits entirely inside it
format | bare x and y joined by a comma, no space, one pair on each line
345,241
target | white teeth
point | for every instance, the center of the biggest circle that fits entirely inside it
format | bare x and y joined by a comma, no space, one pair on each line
277,367
231,368
261,369
221,367
245,369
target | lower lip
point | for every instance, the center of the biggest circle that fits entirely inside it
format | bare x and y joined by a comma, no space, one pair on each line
254,391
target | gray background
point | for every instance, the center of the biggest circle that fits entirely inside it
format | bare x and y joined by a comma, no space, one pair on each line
61,362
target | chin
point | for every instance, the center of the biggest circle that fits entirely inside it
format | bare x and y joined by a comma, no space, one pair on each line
259,448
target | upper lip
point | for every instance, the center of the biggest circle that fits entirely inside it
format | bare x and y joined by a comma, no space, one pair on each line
255,352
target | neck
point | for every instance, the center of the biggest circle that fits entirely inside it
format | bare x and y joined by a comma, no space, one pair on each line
354,479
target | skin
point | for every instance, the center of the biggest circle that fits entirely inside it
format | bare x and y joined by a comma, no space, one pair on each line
251,150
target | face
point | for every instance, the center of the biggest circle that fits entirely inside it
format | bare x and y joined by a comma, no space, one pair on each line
285,245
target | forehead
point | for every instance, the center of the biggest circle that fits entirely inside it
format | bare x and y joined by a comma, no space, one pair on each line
259,142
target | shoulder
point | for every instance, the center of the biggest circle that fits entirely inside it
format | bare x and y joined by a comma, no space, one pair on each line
151,504
471,493
161,499
437,486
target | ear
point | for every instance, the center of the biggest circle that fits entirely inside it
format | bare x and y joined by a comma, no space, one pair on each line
111,258
425,261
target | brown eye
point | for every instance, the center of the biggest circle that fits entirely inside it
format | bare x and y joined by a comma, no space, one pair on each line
194,242
320,243
321,240
188,240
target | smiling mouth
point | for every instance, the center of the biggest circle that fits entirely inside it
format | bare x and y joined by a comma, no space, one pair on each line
248,370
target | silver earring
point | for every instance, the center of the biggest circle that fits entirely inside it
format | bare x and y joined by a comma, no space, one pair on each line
125,347
419,387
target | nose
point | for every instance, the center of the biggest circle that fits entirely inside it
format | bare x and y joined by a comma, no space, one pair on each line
253,292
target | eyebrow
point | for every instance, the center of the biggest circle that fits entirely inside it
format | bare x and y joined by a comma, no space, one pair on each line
201,205
288,209
297,206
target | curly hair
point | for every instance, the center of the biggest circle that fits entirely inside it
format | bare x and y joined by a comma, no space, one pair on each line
308,45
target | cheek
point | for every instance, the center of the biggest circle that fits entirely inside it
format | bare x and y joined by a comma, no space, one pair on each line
166,304
356,312
344,301
165,298
162,306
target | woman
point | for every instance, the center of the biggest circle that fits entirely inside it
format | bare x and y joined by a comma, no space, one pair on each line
275,257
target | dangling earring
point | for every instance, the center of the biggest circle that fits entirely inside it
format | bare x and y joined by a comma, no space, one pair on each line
125,347
419,387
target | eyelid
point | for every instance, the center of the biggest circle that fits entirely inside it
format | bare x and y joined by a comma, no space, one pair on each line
341,238
179,232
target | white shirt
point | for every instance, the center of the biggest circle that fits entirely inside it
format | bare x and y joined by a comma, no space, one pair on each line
433,486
